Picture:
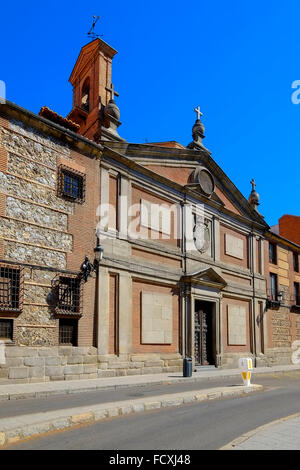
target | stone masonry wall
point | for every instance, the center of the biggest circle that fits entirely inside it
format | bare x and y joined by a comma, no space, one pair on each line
27,364
42,232
33,227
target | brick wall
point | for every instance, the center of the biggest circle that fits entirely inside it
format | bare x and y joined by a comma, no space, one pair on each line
289,227
244,263
226,200
179,175
155,258
138,195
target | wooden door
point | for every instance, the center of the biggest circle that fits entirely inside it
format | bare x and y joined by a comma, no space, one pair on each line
201,332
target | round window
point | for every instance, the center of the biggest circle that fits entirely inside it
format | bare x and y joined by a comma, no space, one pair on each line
205,180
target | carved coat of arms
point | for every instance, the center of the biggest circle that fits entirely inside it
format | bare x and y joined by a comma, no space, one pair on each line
201,234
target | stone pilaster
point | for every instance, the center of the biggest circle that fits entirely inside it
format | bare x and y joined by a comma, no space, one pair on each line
125,309
123,204
216,238
103,311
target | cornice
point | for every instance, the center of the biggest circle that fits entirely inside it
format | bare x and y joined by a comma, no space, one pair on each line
89,148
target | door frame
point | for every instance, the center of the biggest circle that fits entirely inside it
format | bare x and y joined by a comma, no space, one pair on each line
212,296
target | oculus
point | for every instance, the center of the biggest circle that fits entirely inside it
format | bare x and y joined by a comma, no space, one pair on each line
204,179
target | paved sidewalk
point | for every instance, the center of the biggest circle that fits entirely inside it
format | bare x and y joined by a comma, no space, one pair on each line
44,389
283,434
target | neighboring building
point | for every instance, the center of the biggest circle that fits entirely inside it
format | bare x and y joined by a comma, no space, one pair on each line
281,318
183,271
289,227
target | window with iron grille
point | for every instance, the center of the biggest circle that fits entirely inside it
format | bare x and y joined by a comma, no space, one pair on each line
10,288
6,329
69,295
68,331
71,184
272,253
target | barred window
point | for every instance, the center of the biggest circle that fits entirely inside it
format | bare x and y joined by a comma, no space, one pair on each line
6,329
71,184
69,295
9,288
68,331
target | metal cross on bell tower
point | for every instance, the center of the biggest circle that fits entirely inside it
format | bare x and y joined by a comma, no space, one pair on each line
253,184
112,92
199,114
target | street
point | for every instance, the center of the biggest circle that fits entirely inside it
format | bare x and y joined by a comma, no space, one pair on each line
205,425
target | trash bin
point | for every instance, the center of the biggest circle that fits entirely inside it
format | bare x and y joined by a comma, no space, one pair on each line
187,367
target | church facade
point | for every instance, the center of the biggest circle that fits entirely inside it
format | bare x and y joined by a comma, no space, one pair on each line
120,258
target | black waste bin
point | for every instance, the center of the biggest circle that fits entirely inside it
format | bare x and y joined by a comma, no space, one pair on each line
187,367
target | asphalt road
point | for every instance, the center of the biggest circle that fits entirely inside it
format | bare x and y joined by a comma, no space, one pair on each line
56,402
205,425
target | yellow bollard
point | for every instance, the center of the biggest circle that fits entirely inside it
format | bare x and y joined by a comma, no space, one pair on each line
245,364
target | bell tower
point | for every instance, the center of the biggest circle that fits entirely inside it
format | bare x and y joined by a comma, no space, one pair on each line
94,108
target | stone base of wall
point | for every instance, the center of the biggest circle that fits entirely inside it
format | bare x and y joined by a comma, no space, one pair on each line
276,356
28,365
41,364
272,357
231,360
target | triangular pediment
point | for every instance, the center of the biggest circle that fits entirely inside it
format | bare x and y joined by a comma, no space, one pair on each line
178,166
207,277
228,203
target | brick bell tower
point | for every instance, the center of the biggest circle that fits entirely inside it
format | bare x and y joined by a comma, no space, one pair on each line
94,107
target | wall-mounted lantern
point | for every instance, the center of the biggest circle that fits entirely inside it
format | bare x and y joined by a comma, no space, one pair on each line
87,267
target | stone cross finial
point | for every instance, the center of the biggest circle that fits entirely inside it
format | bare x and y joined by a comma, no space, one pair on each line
112,91
253,184
197,110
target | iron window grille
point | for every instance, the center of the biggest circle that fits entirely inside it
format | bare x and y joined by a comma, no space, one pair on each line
71,184
11,288
68,295
68,331
6,329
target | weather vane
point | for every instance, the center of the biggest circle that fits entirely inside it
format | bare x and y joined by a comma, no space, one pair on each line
91,32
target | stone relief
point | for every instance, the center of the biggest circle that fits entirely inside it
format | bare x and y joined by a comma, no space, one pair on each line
201,234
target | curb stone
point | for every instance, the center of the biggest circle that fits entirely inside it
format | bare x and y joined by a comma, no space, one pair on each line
17,428
244,437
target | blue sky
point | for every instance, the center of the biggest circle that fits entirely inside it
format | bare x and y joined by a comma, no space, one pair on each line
236,59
